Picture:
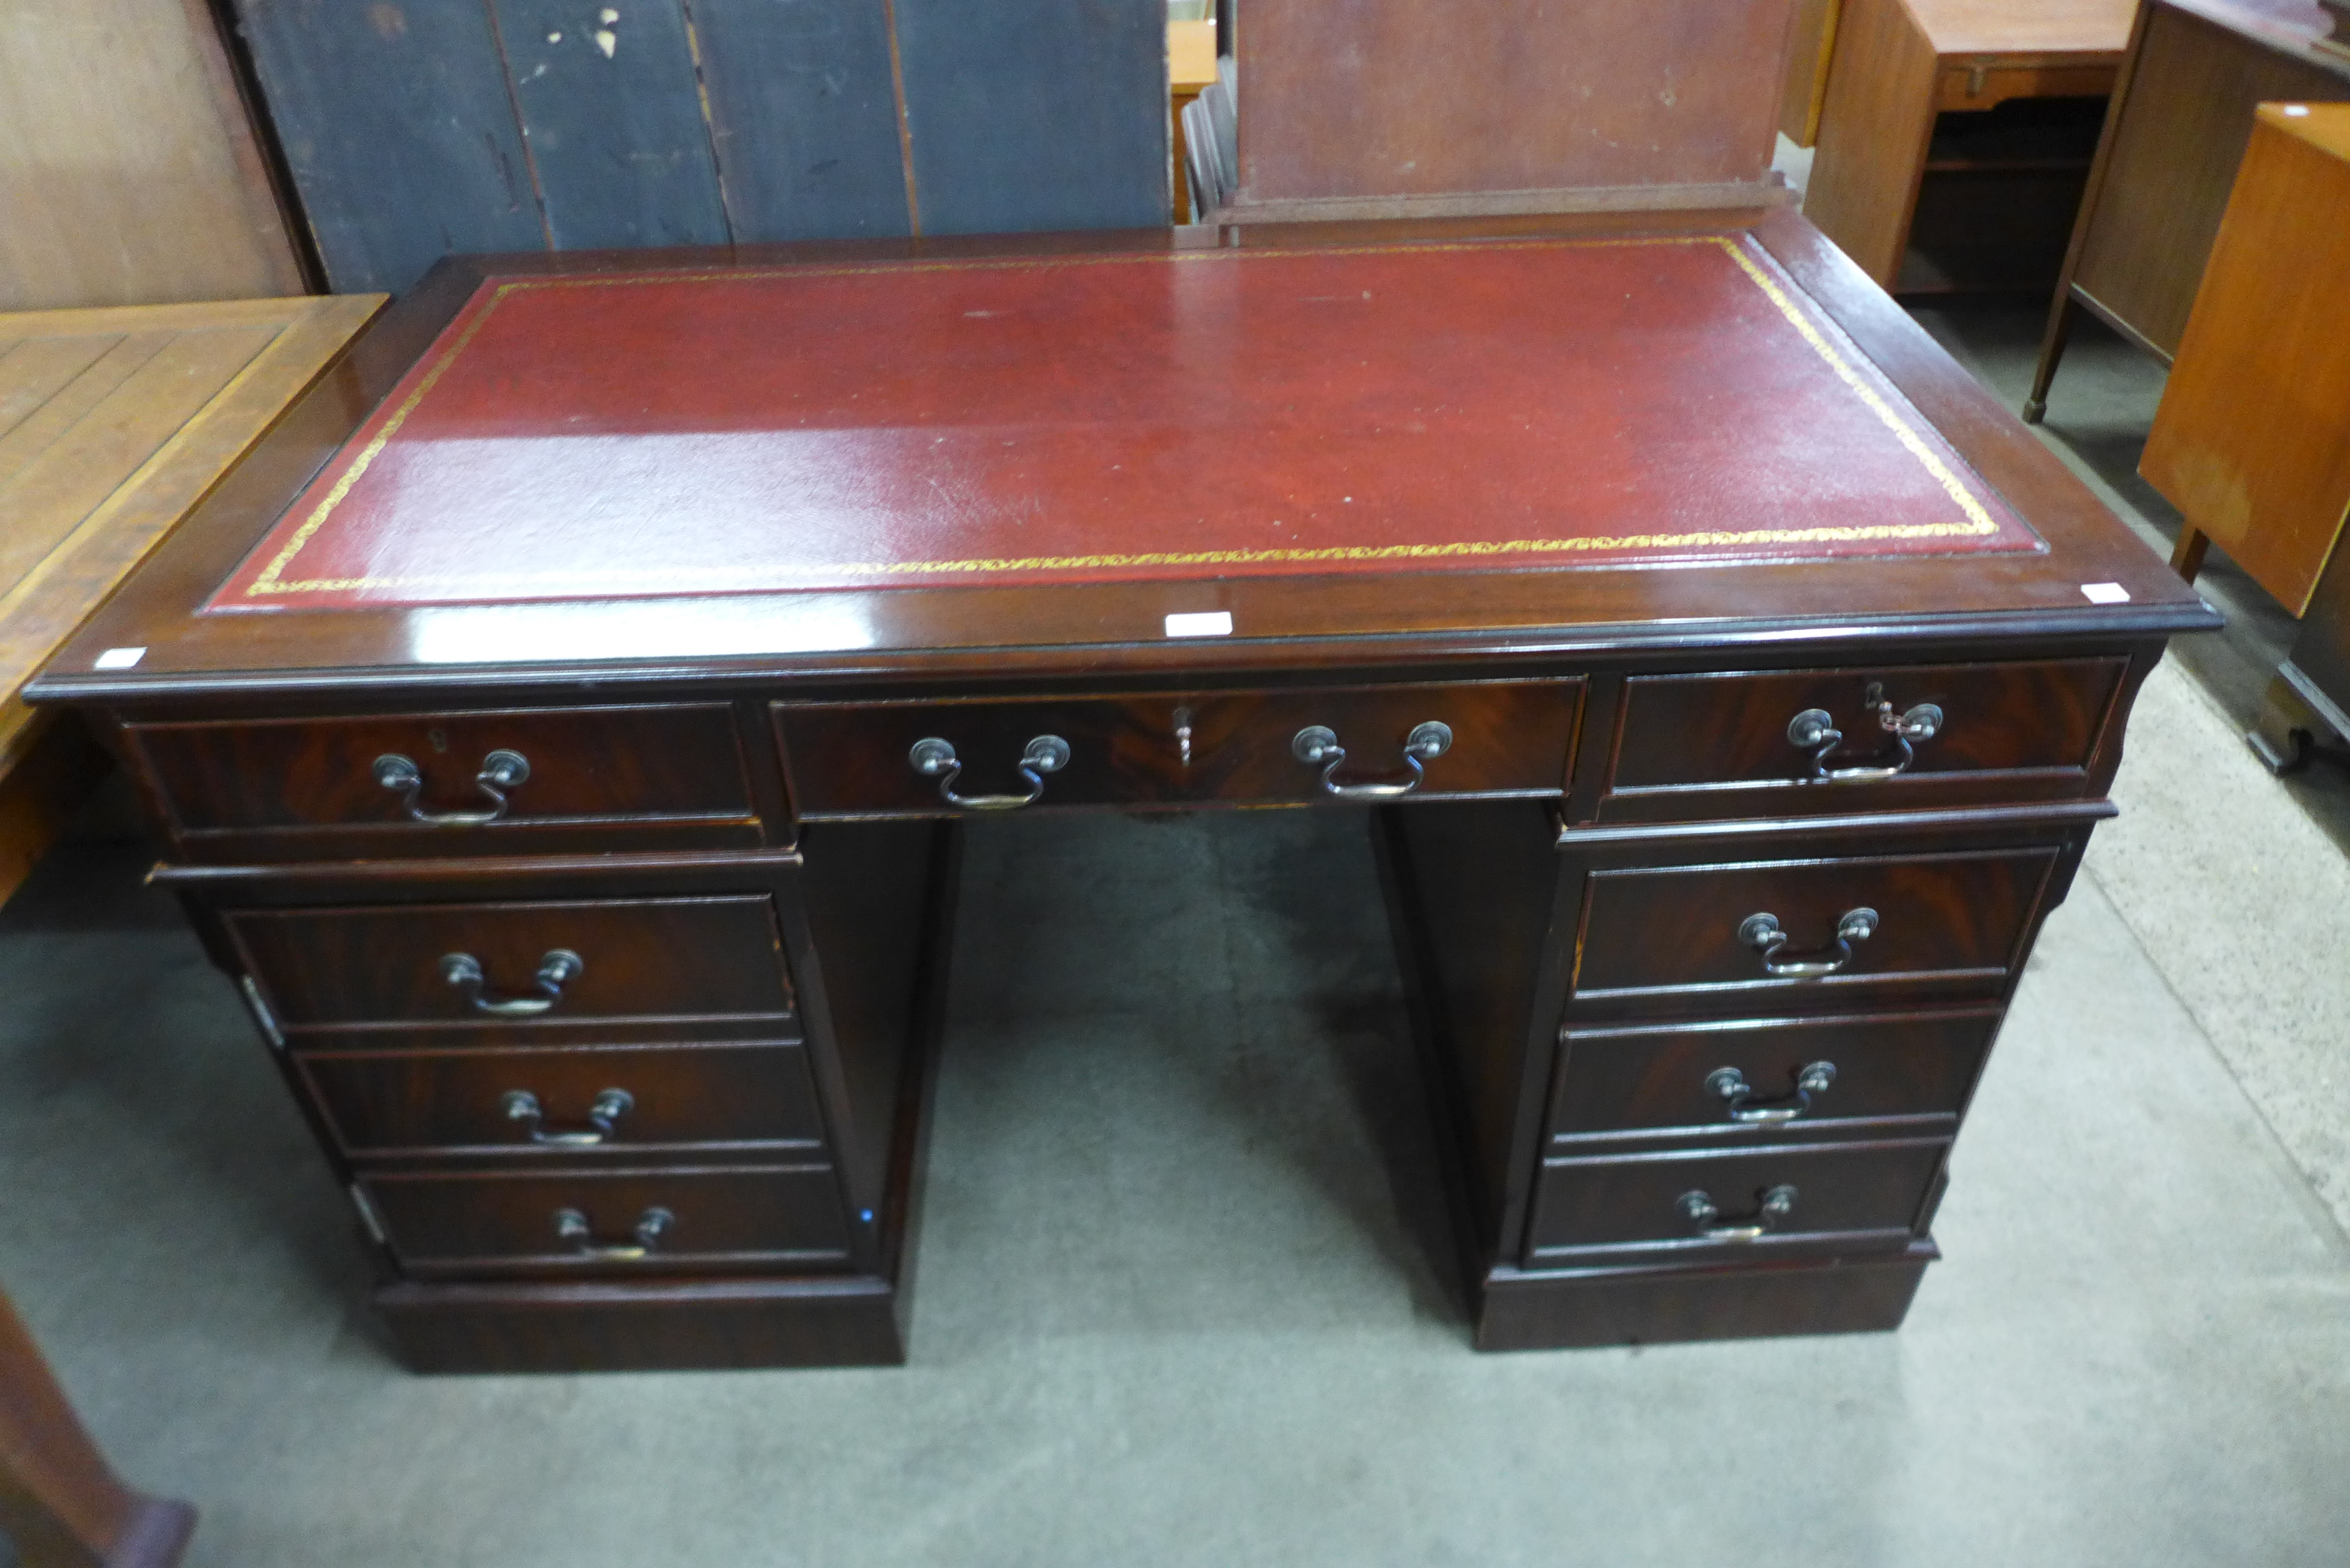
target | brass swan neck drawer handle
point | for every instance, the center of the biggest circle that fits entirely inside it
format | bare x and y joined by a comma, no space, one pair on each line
572,1226
1701,1210
603,1119
935,759
1762,932
558,968
1318,746
1814,730
1730,1084
500,770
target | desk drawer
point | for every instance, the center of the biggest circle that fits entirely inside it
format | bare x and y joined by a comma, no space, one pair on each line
562,1102
1681,1202
622,1221
498,782
1710,934
1760,1075
1985,84
1502,739
514,967
1728,744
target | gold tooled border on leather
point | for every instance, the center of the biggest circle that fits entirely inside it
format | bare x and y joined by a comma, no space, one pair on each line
1977,523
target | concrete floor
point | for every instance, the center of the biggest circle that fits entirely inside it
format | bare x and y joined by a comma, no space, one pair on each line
1181,1298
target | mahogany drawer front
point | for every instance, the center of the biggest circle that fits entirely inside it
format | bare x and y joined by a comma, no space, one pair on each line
711,957
1698,933
1720,744
1644,1201
609,768
1760,1076
540,1102
1503,738
627,1221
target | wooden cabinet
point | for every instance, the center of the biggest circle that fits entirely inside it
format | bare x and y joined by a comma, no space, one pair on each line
1954,136
1707,923
2180,116
1392,108
2251,442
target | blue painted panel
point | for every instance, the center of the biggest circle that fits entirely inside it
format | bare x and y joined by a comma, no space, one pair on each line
805,116
397,125
612,116
1051,114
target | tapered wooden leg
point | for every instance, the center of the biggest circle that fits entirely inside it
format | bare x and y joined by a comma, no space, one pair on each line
2052,349
60,1503
2188,559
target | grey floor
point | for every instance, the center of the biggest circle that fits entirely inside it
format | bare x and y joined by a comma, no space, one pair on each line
1180,1300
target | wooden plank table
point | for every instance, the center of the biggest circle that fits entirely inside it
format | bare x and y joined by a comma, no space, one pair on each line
113,423
1909,75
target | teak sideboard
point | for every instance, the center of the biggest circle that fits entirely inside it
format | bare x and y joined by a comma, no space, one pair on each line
558,729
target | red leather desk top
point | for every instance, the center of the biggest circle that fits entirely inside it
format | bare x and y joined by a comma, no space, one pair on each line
1406,408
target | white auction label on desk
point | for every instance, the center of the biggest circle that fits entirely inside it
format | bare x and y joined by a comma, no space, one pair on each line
2104,593
1201,623
118,659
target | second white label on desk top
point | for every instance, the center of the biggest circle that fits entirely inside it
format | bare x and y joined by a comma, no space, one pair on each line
1201,623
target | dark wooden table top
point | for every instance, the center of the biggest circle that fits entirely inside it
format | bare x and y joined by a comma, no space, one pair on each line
1363,443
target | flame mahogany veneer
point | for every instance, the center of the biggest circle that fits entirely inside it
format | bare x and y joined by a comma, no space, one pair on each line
530,726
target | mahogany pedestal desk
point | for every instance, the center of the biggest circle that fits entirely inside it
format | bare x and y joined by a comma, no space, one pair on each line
558,730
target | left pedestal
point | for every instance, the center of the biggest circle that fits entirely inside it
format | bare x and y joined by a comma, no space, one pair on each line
595,1112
